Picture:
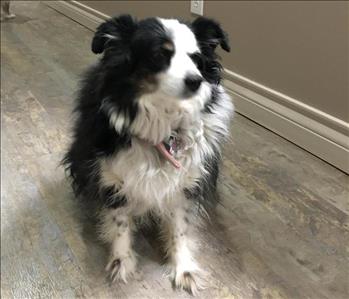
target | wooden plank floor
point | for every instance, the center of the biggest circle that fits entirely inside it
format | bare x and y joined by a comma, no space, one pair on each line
281,230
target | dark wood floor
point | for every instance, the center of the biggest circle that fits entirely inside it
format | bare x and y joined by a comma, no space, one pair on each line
282,230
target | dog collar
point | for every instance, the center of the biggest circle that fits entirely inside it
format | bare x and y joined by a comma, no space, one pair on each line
169,149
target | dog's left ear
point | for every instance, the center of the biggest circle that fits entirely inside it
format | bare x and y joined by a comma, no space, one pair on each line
210,34
116,32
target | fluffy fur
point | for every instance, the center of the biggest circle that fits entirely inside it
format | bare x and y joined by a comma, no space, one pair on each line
156,78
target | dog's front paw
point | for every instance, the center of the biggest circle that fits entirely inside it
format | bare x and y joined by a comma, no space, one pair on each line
190,281
120,269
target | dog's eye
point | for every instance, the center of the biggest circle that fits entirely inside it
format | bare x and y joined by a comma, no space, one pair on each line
197,59
167,49
167,52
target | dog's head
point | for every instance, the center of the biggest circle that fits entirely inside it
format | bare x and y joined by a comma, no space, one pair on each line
162,55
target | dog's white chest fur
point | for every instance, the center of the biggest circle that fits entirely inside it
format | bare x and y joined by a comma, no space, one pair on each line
140,172
145,177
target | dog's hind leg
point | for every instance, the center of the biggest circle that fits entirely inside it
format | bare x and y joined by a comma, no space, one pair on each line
116,229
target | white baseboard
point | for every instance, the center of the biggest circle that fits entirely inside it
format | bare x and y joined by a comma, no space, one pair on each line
330,143
319,133
78,12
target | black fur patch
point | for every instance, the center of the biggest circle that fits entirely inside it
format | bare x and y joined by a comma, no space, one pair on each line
209,105
112,199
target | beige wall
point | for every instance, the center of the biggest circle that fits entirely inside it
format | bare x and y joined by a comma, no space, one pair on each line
298,48
142,8
295,47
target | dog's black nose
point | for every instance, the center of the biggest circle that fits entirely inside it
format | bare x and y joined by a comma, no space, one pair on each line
193,82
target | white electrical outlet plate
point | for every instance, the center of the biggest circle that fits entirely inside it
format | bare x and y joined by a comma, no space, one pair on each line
197,7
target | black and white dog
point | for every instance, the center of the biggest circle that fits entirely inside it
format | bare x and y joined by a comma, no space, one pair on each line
151,117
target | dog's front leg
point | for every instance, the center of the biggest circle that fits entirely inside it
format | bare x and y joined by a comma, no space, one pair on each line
185,271
116,230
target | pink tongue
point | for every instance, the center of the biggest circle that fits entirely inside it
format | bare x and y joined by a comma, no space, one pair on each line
162,149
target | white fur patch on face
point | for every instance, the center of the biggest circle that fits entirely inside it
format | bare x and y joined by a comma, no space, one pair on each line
183,38
181,66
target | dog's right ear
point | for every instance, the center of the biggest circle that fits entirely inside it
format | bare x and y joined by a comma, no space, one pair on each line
114,32
210,34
